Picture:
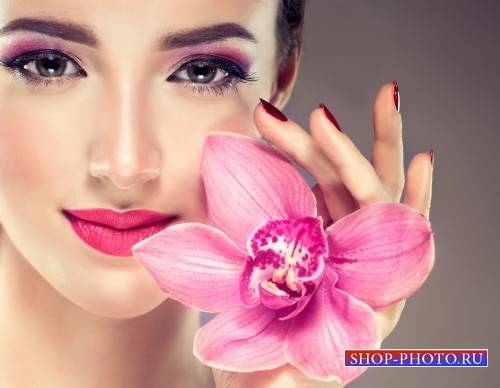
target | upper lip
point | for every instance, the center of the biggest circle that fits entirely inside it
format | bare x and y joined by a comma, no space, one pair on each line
119,220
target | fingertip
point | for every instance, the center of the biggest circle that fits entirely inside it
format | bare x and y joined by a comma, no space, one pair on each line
387,121
315,116
417,166
386,91
258,109
322,117
419,183
264,122
329,115
431,156
395,95
273,111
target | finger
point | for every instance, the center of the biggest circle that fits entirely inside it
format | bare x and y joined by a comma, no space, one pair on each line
387,160
289,137
387,149
355,171
389,316
418,195
321,205
418,192
284,376
224,379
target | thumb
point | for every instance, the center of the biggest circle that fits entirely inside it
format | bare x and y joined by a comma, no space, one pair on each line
321,205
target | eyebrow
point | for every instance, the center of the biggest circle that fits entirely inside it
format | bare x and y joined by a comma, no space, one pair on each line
83,34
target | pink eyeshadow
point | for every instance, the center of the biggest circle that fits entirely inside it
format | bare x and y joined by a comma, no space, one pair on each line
221,50
18,47
237,55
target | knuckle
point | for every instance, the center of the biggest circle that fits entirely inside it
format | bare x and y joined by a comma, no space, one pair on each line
369,197
398,189
301,154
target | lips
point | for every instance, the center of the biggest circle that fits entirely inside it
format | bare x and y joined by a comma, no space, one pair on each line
114,233
119,220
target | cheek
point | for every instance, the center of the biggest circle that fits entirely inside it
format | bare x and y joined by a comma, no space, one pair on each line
237,118
31,151
40,163
240,122
182,146
42,140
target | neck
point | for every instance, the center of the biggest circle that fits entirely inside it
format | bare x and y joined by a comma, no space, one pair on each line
49,341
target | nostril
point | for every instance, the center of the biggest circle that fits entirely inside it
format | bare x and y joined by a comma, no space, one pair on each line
124,175
126,182
125,167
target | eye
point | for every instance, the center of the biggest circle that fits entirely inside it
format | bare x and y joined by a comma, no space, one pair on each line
205,74
44,66
211,74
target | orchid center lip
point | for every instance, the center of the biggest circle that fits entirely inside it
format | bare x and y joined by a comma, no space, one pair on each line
288,275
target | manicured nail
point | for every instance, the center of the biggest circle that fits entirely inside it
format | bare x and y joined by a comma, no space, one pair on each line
431,156
330,116
272,110
395,94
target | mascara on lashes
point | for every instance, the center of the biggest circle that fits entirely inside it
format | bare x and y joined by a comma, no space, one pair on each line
236,73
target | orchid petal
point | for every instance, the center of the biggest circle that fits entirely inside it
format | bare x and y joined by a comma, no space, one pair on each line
382,252
331,322
194,264
242,340
248,182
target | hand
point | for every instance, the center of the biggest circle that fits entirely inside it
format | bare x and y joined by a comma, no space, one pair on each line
346,180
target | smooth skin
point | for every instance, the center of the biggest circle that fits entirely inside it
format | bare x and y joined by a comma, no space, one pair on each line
345,180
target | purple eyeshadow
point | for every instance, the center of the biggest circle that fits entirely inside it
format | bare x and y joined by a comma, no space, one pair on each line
14,49
235,55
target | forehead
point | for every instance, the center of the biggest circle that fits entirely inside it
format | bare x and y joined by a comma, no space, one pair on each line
126,31
137,19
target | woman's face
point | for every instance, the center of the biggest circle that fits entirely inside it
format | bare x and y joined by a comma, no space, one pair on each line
111,117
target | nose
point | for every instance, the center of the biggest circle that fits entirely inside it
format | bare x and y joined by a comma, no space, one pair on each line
124,153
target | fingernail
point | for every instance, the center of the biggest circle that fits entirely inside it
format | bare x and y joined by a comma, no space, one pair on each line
272,110
431,156
395,94
330,116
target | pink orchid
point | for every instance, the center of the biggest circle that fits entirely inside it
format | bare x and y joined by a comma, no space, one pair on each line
286,290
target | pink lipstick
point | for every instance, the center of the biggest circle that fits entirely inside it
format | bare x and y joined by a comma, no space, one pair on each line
114,233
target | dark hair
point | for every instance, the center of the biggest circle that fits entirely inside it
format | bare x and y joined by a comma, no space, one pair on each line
289,28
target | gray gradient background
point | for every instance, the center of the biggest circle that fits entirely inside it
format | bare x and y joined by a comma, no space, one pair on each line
445,55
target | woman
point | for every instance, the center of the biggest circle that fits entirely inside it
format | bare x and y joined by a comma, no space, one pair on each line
106,104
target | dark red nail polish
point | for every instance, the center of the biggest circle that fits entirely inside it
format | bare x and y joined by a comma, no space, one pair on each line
395,94
431,155
273,111
330,116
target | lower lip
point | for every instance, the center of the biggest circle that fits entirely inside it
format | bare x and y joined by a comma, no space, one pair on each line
112,241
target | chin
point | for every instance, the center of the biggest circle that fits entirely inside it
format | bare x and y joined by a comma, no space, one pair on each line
117,296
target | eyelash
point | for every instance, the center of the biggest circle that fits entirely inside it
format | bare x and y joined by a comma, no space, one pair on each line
233,73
